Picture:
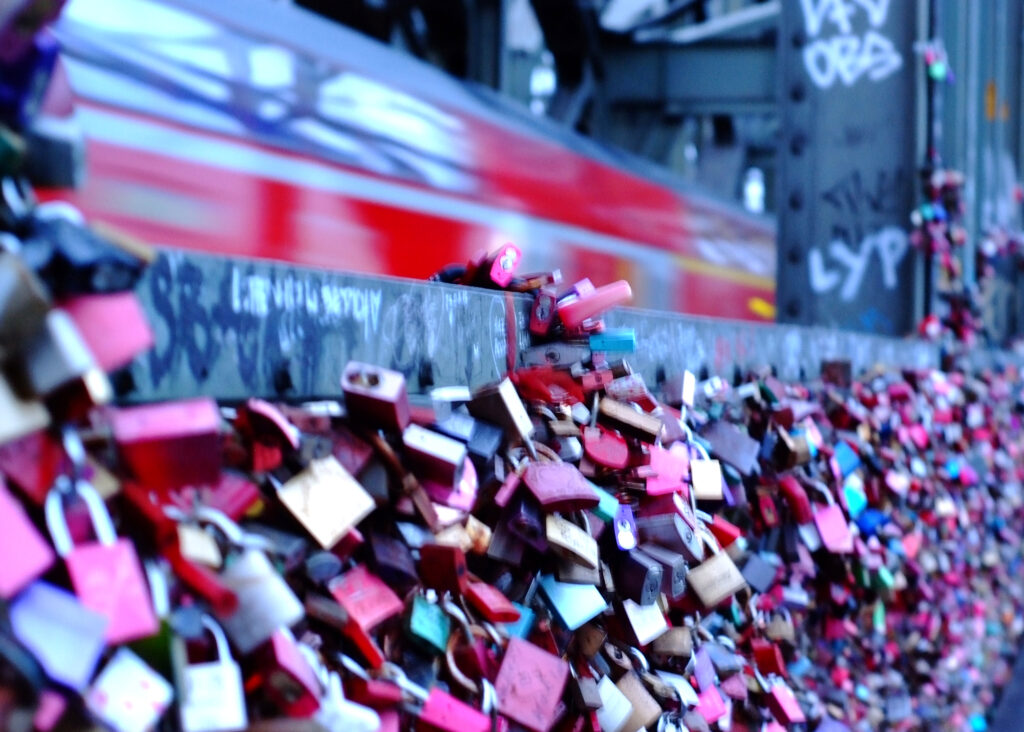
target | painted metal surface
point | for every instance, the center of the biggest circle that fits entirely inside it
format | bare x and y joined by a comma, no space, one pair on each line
235,328
847,164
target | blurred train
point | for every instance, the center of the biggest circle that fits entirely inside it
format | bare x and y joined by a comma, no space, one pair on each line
257,129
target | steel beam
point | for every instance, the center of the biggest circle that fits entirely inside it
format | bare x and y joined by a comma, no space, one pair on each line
703,78
486,39
846,164
236,328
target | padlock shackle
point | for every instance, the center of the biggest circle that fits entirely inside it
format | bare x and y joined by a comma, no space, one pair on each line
220,640
489,703
700,448
74,449
19,198
395,674
639,660
157,579
352,666
670,718
57,522
708,538
457,614
235,534
453,668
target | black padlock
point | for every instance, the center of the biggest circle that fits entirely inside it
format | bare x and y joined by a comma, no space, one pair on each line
759,573
638,577
673,582
72,259
524,521
394,562
482,439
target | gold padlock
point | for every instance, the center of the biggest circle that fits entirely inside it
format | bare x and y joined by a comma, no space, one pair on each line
326,500
646,709
717,577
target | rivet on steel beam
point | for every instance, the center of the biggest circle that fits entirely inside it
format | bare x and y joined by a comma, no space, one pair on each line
797,144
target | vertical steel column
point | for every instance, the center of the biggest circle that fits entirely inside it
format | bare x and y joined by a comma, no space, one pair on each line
933,142
486,39
847,167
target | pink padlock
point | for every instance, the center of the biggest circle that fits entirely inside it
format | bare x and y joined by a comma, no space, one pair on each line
105,573
114,327
442,712
24,554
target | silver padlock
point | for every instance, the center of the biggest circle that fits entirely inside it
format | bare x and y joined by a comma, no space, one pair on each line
265,601
129,696
56,356
212,697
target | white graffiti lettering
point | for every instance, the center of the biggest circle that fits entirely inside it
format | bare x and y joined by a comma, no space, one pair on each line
890,243
254,294
840,13
847,57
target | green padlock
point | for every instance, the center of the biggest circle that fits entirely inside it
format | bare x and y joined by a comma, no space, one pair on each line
429,624
878,618
160,649
12,151
883,580
862,575
608,505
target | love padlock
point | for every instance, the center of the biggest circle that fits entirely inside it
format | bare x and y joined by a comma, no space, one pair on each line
211,697
129,696
65,636
24,554
106,573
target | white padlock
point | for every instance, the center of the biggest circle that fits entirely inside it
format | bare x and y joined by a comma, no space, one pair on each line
129,696
212,697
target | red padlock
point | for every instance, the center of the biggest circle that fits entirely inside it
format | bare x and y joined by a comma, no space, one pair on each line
373,693
365,597
491,603
768,657
286,677
606,447
152,439
783,704
376,396
233,495
201,581
547,384
443,568
725,532
269,433
796,497
32,464
542,314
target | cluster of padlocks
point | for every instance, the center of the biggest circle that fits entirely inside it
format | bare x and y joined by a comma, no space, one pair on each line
566,549
561,550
